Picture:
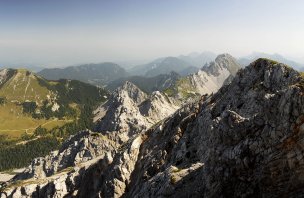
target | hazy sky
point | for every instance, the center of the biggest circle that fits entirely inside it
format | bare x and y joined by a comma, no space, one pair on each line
65,32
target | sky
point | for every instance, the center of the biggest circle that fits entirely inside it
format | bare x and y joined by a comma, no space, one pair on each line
53,33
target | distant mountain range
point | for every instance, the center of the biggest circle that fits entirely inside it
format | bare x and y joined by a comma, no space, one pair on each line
189,82
198,59
104,73
147,84
183,65
207,80
113,75
246,60
162,66
97,74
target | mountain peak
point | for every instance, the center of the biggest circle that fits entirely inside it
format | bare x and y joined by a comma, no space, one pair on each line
130,110
278,57
268,64
129,85
265,62
223,56
222,61
130,90
268,75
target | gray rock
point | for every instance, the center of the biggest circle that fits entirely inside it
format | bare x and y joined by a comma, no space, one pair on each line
80,148
130,111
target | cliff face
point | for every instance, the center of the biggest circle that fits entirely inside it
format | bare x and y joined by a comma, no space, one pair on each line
129,111
120,112
244,141
222,61
213,75
59,173
207,80
3,75
80,148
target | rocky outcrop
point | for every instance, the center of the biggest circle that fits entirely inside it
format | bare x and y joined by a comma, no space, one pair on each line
222,61
120,112
213,75
129,111
80,148
3,75
157,107
63,184
207,80
244,141
59,173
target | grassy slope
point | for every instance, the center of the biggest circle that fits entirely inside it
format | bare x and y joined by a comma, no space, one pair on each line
23,86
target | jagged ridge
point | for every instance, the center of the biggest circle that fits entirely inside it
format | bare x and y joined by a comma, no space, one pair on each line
129,110
207,80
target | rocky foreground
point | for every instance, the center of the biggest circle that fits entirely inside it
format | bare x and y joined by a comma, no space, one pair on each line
244,141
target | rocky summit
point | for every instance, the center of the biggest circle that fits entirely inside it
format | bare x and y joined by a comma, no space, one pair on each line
130,110
213,75
209,79
246,140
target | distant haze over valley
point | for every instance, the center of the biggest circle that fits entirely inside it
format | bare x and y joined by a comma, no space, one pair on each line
193,59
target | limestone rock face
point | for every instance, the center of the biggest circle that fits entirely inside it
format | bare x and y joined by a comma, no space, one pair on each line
129,110
246,140
222,61
116,179
207,80
157,107
120,112
59,173
213,75
80,148
3,75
